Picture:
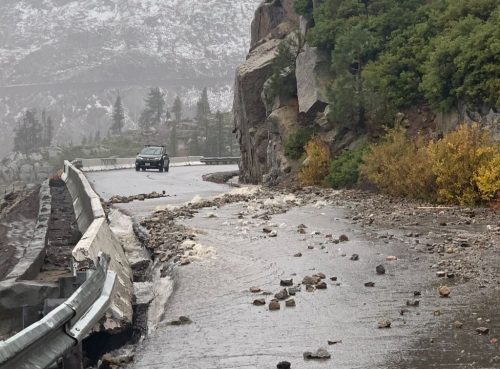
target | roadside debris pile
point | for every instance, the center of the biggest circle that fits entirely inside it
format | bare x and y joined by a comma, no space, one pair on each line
220,177
141,197
165,239
460,237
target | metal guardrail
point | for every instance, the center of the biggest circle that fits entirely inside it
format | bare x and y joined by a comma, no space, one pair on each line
42,343
219,161
101,164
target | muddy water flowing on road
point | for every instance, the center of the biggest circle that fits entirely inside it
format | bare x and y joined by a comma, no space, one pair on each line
229,332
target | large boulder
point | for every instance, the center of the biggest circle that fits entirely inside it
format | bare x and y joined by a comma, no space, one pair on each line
274,20
313,74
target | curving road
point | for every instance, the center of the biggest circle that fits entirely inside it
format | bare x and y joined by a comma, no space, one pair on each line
181,184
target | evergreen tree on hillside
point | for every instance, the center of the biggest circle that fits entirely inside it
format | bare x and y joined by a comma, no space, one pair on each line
389,55
49,131
219,125
194,144
28,134
203,117
152,114
177,110
118,116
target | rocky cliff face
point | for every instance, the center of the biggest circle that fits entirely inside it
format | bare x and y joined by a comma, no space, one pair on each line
72,57
263,125
260,133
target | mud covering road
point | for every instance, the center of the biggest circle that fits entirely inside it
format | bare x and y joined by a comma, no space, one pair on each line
258,244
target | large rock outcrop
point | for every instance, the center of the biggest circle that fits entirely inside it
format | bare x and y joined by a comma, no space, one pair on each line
269,17
273,21
313,73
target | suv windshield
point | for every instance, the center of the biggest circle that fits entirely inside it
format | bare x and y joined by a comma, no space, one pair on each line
151,151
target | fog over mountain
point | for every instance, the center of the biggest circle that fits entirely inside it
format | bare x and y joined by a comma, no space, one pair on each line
72,57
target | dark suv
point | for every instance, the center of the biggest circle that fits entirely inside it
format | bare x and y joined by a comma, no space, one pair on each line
153,157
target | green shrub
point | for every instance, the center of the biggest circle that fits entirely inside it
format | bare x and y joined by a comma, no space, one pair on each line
295,144
344,169
304,7
283,82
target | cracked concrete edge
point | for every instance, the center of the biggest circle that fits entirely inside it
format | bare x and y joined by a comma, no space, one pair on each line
31,262
97,236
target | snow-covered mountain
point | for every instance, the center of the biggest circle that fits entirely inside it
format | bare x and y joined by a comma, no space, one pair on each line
74,56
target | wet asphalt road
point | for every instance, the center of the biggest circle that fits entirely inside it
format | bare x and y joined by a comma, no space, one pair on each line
181,185
229,332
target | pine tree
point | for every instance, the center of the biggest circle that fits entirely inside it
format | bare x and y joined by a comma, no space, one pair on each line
118,116
219,122
152,114
203,117
28,134
97,137
194,144
49,131
177,110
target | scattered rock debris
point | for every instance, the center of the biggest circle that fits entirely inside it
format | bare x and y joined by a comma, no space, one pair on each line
444,291
259,302
380,269
384,323
320,354
274,305
284,365
182,320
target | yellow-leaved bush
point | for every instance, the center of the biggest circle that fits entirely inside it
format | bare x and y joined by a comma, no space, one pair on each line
488,179
457,159
399,166
316,165
462,168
